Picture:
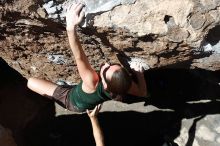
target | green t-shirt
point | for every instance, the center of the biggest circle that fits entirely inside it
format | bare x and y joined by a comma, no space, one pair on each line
84,100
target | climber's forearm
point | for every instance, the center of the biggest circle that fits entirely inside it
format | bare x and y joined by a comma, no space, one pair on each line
141,83
97,131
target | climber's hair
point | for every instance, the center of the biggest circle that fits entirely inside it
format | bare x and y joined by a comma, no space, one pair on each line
120,82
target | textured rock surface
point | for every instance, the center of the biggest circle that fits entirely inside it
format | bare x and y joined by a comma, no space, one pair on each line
163,33
20,108
206,131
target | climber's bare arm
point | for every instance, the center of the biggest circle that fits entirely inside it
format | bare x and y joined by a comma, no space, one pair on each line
97,130
90,78
139,88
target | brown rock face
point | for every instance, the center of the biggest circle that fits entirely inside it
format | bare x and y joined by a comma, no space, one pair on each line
163,33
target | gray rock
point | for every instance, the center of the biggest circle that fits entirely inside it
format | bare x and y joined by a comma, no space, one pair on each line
177,34
197,21
57,59
96,7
